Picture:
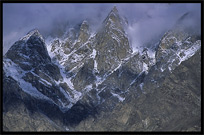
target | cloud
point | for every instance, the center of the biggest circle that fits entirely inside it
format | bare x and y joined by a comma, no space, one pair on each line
146,21
155,19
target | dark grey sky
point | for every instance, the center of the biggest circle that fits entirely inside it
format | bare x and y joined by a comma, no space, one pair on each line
145,20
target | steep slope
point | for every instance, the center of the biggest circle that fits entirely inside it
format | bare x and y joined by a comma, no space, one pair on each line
112,43
161,84
28,62
98,78
177,45
93,58
71,50
169,104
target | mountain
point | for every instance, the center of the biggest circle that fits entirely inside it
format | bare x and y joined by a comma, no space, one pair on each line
86,80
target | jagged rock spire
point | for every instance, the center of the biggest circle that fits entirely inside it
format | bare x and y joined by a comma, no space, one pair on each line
113,17
84,32
111,42
114,9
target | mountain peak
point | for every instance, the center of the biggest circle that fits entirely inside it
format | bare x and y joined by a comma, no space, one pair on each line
84,26
30,51
84,32
113,16
34,32
115,10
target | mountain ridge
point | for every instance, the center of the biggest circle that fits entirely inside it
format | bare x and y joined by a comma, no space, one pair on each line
92,76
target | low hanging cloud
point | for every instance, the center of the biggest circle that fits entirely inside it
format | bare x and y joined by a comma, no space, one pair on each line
155,19
146,21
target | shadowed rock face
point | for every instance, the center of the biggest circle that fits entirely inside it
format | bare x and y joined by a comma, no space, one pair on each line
93,82
21,112
29,52
30,56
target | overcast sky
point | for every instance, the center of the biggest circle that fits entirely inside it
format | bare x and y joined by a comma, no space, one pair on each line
145,20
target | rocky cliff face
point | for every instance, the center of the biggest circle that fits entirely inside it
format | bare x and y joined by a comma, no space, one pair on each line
28,62
112,43
92,81
177,45
169,104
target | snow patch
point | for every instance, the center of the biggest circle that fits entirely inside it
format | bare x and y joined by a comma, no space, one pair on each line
115,37
121,99
67,129
77,95
145,67
190,52
99,80
95,66
141,87
76,58
162,69
88,88
93,55
45,82
183,54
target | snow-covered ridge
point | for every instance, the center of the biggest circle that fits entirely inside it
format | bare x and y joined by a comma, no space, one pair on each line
182,53
189,52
